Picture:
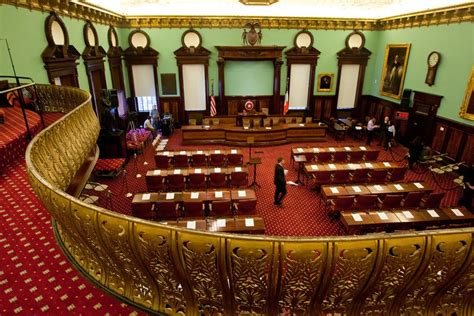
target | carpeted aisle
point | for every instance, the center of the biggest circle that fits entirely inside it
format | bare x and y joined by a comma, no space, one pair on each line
35,276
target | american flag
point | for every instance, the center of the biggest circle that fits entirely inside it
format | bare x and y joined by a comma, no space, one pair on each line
213,106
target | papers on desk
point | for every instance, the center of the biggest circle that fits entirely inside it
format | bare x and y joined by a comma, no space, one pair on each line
200,152
218,194
194,195
418,185
356,189
242,193
316,150
238,169
146,197
332,149
314,167
268,127
170,195
356,217
156,172
221,222
198,170
407,214
362,148
369,165
382,215
457,212
332,166
246,127
182,152
301,124
177,171
334,190
206,126
233,151
217,151
386,164
300,150
191,225
291,183
166,153
347,148
358,128
249,222
378,187
217,169
398,187
351,166
433,213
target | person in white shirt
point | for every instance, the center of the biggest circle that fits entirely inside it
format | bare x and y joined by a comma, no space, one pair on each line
390,135
149,125
370,130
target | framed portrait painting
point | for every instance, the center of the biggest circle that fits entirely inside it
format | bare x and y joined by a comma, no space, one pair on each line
394,69
325,82
467,107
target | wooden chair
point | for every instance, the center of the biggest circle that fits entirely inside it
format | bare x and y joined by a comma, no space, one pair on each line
144,210
359,176
199,160
340,176
412,199
176,182
299,120
235,160
288,120
239,179
365,202
196,181
162,162
155,183
377,176
181,161
356,156
245,207
217,180
339,156
371,155
167,209
323,157
267,122
220,208
215,121
308,120
390,201
193,209
433,200
192,122
206,122
256,122
246,122
340,203
397,174
217,160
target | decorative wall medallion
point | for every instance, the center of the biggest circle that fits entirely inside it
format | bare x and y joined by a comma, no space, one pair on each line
252,37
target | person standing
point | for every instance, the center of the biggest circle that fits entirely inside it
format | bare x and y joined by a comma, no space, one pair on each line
370,130
383,131
389,135
414,151
280,182
468,193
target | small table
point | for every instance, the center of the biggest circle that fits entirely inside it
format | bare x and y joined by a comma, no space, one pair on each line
254,161
300,159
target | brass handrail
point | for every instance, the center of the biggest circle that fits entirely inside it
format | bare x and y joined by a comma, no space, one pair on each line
172,270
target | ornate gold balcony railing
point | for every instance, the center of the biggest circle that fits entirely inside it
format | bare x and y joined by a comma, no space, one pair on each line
177,271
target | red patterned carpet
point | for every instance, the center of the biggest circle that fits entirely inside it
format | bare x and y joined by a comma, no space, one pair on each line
36,278
304,213
13,133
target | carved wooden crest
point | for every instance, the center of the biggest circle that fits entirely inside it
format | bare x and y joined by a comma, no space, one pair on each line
252,37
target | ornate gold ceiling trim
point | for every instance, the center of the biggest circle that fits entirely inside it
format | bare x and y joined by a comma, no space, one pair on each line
447,15
72,10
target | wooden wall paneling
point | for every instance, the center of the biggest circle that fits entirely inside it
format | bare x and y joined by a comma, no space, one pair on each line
327,109
468,152
455,138
318,109
439,137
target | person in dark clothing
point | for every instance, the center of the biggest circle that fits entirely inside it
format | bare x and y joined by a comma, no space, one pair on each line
383,131
468,180
414,151
280,182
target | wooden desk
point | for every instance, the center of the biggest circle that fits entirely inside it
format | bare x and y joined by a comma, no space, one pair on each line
189,153
356,219
187,171
349,150
263,136
409,216
309,167
458,213
241,225
383,217
236,195
378,189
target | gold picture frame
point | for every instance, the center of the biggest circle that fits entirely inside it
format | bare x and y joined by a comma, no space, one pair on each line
394,70
467,107
325,81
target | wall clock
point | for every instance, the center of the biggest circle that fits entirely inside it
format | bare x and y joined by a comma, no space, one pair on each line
433,62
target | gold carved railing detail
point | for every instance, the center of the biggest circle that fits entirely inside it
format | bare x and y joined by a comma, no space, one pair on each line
156,267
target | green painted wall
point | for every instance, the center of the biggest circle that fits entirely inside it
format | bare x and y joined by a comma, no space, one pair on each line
455,42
